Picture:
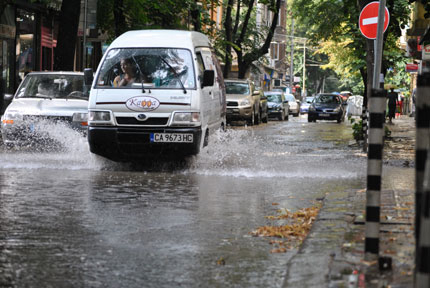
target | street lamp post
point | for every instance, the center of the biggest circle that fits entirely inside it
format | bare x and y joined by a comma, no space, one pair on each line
304,61
292,56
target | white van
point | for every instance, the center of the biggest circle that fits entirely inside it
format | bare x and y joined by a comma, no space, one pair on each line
155,93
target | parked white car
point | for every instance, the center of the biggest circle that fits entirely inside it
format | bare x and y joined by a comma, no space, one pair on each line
294,104
43,100
354,105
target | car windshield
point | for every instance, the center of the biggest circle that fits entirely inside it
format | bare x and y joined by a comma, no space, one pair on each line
276,98
52,86
236,88
290,98
328,99
163,68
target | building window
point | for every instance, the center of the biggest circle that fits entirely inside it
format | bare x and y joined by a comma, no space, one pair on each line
274,51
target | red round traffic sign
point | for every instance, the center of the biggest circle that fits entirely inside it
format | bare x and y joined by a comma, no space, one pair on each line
368,20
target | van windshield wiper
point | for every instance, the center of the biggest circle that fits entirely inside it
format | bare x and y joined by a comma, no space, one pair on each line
175,73
140,71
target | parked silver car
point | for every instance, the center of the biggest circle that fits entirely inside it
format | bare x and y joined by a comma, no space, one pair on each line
294,104
42,101
243,101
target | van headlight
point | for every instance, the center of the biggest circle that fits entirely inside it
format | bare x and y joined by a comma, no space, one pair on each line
99,118
186,119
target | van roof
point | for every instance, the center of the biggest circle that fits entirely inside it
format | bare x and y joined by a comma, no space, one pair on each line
161,38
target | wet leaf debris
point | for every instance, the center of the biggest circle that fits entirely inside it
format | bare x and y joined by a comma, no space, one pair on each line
292,233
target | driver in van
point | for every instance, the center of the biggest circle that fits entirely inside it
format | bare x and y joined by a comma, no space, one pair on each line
129,76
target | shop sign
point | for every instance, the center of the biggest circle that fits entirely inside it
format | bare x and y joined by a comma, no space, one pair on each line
411,67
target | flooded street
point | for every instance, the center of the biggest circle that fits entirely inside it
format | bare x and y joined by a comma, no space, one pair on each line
70,219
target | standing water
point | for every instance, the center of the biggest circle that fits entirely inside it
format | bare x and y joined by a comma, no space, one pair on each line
69,218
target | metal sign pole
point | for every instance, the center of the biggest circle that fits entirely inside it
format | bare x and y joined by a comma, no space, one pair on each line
379,41
376,142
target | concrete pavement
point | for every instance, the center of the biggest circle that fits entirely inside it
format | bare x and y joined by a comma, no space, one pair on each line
336,241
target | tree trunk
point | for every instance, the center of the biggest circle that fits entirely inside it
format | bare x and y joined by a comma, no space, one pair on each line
67,34
256,54
195,17
229,39
119,17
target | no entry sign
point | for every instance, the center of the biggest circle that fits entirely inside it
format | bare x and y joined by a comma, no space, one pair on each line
368,20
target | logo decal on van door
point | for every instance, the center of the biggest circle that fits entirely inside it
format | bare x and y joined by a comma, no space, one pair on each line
142,103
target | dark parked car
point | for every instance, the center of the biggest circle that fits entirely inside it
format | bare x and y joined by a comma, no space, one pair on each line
277,105
327,107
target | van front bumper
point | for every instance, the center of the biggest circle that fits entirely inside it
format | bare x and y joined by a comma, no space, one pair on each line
134,143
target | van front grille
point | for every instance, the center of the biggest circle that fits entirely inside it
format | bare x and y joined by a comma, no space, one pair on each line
150,121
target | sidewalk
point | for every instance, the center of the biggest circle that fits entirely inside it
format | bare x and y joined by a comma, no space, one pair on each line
337,237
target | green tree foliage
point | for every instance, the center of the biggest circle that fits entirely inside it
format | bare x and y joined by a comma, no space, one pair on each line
117,16
341,38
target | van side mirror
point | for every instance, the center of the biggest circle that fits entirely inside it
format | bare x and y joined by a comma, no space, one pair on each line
88,76
208,78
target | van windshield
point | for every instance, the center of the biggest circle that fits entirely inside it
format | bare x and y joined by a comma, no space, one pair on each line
164,68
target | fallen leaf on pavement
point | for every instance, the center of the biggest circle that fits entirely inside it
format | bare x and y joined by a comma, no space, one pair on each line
369,263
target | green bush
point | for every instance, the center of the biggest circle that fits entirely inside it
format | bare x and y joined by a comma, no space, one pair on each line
357,129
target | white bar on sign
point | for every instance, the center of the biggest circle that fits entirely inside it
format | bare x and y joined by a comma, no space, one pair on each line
368,21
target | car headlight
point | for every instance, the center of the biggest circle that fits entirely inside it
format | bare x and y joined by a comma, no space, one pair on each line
186,118
99,118
81,118
245,102
10,117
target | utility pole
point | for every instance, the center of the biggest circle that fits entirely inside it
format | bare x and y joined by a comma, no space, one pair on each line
304,69
292,56
84,42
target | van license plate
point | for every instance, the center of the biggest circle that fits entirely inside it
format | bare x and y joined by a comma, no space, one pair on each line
171,137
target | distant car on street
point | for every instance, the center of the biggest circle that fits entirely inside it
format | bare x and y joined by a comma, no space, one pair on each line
304,107
277,105
294,104
44,100
327,106
243,102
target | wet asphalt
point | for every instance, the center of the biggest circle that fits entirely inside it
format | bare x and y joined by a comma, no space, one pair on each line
71,219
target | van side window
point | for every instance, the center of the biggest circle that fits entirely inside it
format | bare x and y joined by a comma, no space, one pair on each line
201,66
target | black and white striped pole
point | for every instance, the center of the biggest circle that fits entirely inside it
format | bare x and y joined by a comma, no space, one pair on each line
422,277
376,106
422,184
374,172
